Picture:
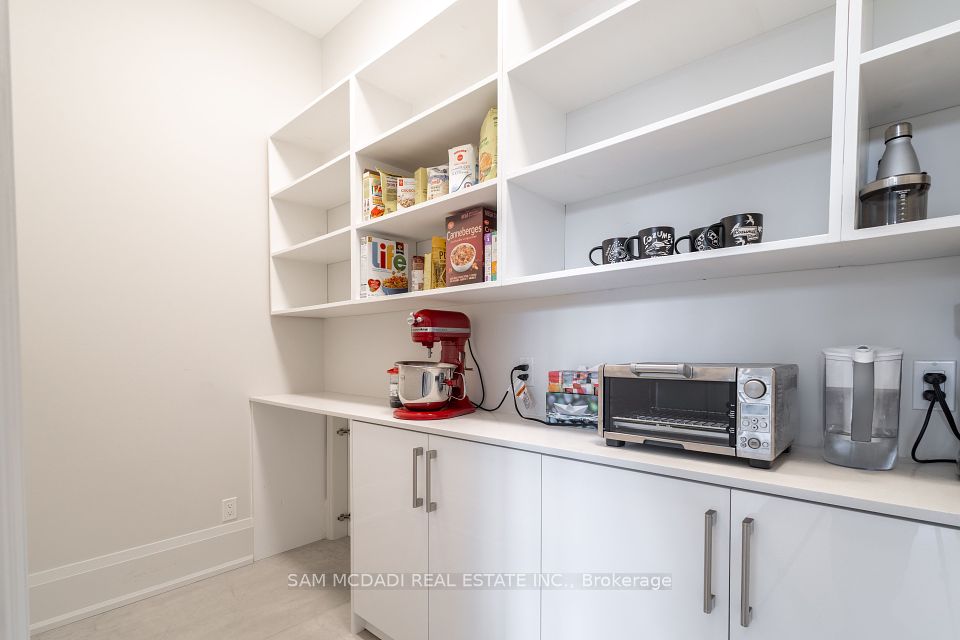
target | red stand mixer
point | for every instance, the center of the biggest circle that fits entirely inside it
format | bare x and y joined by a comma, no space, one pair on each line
435,390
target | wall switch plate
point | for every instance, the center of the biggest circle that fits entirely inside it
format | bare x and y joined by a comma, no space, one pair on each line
228,509
921,367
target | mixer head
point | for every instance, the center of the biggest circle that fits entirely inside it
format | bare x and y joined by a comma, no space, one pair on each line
432,325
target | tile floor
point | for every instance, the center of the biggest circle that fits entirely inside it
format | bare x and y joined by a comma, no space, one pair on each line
250,603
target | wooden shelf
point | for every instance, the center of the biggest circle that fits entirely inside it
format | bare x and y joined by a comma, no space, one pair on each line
423,141
326,249
324,187
584,65
427,219
913,76
775,116
323,125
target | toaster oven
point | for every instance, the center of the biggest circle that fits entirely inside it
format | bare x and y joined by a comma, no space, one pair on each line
742,410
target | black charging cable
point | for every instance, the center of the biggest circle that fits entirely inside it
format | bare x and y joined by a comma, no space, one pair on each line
483,392
935,396
523,376
523,368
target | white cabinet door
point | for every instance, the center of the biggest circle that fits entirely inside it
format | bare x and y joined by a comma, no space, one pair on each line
487,520
823,572
389,534
599,520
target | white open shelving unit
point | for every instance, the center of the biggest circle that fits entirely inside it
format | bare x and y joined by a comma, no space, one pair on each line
608,125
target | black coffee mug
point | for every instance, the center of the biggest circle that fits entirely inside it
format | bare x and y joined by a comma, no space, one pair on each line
613,250
702,238
742,228
654,242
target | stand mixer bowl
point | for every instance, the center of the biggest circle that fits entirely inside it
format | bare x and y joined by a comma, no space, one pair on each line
425,385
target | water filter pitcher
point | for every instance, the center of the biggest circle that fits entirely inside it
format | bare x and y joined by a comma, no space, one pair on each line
861,406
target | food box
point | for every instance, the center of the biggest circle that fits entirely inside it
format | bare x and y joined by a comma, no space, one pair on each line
462,167
388,185
438,182
406,193
490,256
579,381
465,252
435,264
572,409
427,272
420,175
487,160
372,197
416,273
383,267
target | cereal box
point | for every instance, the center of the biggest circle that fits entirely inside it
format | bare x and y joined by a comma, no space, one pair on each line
406,193
383,267
372,197
465,252
490,256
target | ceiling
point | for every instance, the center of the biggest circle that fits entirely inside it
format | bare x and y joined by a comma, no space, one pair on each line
316,17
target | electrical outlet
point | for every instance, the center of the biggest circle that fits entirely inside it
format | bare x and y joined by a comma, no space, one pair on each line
946,367
527,360
228,509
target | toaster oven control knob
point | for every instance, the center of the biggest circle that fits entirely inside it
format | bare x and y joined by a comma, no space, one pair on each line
754,389
753,443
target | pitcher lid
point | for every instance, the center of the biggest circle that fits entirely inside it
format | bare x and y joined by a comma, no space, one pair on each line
863,353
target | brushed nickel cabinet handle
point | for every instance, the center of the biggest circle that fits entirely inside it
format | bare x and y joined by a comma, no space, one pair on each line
746,611
417,500
709,520
431,505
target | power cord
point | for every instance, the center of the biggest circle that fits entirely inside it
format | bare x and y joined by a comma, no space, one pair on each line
483,392
935,396
513,392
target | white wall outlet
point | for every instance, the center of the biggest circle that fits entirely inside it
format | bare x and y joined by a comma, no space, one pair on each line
527,360
947,367
228,509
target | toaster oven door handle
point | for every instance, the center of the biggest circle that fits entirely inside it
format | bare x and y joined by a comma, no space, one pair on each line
679,369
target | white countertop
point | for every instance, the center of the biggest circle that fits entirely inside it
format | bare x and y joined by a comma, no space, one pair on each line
929,493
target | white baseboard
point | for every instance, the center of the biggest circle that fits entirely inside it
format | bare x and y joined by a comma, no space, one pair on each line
72,592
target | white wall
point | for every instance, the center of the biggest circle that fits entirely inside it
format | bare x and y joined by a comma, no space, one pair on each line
141,173
370,29
13,565
779,317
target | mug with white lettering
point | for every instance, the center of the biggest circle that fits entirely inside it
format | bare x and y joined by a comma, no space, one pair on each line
654,242
742,229
612,250
702,238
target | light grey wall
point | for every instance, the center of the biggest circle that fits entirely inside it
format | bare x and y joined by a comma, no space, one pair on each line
780,317
141,132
